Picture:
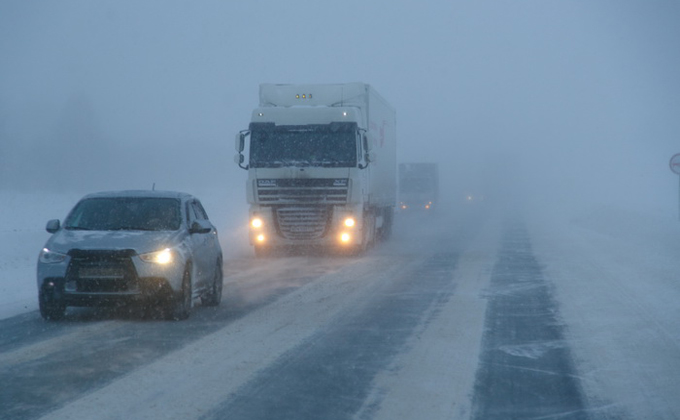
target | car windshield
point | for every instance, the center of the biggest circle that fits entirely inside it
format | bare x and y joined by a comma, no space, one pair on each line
125,213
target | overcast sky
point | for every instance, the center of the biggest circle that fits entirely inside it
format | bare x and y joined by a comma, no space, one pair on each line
578,99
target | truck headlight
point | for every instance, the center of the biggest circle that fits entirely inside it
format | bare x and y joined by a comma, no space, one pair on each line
51,257
256,223
349,222
158,257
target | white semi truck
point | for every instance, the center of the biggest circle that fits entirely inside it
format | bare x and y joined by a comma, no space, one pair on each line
321,162
418,186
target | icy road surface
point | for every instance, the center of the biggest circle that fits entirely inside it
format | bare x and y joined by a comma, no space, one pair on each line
487,316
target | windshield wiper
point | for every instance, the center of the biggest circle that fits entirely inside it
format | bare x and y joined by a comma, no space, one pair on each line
332,163
296,163
128,228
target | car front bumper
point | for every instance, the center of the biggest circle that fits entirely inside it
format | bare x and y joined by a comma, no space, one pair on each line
90,278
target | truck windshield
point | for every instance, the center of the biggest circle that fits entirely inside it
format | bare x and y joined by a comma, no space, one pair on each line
330,145
416,185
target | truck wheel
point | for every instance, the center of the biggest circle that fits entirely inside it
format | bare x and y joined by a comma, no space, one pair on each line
51,308
179,306
214,296
388,220
368,235
372,232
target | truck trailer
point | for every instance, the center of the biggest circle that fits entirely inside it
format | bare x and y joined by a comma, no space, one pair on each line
418,186
321,162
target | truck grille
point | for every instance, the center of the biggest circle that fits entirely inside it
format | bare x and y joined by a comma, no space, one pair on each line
303,223
279,191
105,271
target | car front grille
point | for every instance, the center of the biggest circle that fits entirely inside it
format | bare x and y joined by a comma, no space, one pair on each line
102,271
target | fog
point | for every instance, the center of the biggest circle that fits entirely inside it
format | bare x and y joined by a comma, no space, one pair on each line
568,102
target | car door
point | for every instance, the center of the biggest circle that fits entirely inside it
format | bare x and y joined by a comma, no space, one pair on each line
203,247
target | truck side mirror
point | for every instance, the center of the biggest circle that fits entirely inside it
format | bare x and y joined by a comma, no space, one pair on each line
239,159
240,143
365,143
368,156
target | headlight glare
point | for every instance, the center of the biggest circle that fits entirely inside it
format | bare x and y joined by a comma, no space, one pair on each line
158,257
256,223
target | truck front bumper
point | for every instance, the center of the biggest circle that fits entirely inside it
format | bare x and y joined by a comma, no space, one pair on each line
327,226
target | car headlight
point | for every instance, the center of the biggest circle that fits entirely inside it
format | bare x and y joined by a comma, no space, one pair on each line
51,257
158,257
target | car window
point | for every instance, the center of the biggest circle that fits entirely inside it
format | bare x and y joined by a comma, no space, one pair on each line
191,215
199,210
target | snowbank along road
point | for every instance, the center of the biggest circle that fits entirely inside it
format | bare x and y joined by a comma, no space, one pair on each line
477,316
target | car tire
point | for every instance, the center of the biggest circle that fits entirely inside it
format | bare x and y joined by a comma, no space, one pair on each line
51,308
179,307
214,295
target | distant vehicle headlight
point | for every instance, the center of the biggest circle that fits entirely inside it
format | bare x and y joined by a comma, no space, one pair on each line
51,257
158,257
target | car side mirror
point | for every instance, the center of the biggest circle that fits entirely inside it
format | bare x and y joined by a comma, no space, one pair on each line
53,226
200,226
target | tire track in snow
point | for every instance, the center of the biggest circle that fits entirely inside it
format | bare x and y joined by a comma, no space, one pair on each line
330,375
526,369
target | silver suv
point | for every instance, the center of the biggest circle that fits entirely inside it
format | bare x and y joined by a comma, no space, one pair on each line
113,247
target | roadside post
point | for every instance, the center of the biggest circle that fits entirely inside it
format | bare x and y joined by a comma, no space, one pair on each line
675,167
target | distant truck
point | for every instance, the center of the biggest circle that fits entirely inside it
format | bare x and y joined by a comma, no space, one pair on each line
321,162
418,186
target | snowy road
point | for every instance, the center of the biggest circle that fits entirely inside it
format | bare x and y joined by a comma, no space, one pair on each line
487,317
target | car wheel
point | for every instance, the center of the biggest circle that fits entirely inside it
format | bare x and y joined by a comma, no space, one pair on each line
51,308
180,303
214,295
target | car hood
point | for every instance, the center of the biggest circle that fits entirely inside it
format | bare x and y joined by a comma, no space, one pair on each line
139,241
